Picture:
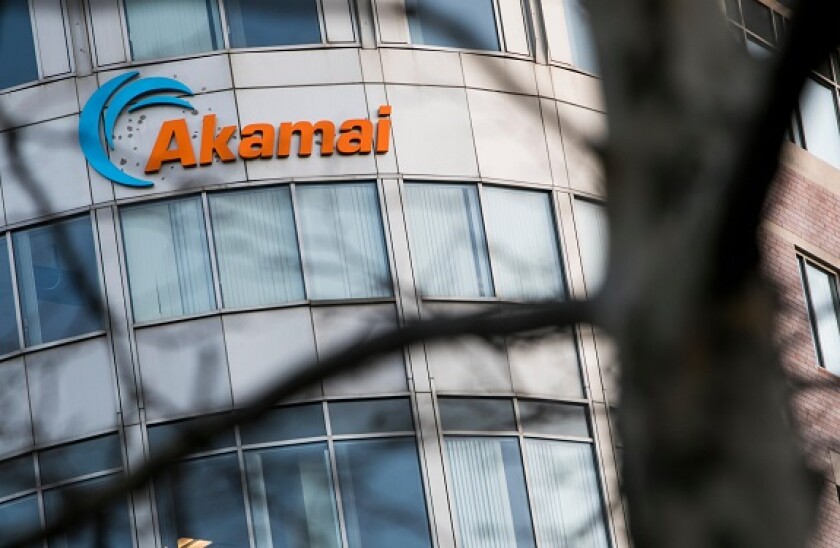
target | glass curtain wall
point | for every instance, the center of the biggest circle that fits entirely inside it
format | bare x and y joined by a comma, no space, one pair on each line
17,44
593,235
8,316
466,24
581,41
258,23
492,445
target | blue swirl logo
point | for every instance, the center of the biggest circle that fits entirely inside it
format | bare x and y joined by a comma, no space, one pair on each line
106,105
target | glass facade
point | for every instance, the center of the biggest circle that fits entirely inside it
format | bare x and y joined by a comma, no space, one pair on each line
298,463
579,32
467,24
17,44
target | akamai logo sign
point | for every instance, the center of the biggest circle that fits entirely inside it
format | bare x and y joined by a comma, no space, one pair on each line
258,141
116,94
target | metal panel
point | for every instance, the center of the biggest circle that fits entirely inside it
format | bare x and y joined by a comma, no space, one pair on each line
371,65
513,26
106,24
579,128
413,66
546,367
376,97
467,364
54,174
554,16
141,499
577,89
204,74
498,73
183,368
264,347
334,103
338,21
337,326
72,390
432,131
117,315
39,103
509,136
53,48
16,433
432,453
391,21
554,142
296,68
136,133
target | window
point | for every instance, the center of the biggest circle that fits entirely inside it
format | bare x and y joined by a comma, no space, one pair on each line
168,259
184,27
168,29
593,235
58,281
260,261
17,44
64,474
257,23
818,111
581,41
486,441
517,258
823,306
466,24
8,316
293,490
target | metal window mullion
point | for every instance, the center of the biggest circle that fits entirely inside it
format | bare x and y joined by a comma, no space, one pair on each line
500,31
129,53
342,526
246,488
35,42
322,22
809,303
223,23
15,296
484,232
211,249
42,513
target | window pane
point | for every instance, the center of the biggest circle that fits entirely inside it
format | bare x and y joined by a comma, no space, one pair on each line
17,46
17,475
823,299
382,494
757,49
447,240
366,417
343,241
758,18
58,281
8,316
20,517
168,261
523,244
593,234
488,484
288,423
292,498
257,23
467,24
256,247
819,122
202,499
553,419
168,28
581,41
464,414
114,529
164,435
565,495
80,459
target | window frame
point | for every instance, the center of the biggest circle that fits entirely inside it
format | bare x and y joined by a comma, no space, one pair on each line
834,280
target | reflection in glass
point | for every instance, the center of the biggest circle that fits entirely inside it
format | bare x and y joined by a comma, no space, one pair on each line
382,494
565,495
523,244
80,459
167,29
447,240
554,419
477,414
292,498
16,475
819,122
114,529
343,241
17,46
256,247
371,416
591,221
258,23
488,484
58,281
202,499
465,24
823,300
287,423
8,317
21,516
168,259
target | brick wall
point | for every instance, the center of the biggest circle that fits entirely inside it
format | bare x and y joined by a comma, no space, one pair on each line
805,217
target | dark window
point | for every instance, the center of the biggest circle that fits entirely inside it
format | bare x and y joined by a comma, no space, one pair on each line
257,23
467,24
17,46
